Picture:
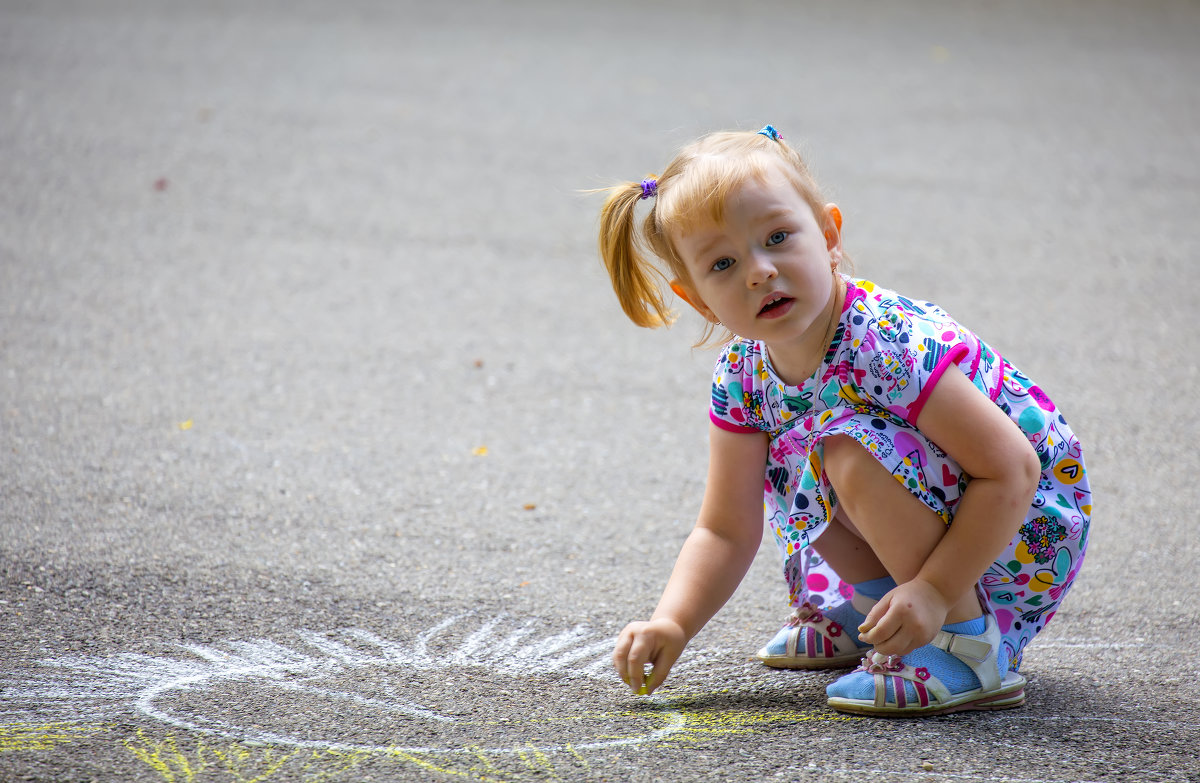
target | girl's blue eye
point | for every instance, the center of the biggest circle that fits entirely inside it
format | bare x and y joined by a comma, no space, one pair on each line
722,264
776,238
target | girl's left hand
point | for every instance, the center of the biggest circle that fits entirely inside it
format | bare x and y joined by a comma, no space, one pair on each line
908,617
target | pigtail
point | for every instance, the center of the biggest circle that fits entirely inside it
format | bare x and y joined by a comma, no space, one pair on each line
634,278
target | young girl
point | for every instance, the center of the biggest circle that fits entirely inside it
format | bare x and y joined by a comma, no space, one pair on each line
923,468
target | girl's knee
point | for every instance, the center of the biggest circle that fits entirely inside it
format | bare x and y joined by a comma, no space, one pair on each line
862,483
845,462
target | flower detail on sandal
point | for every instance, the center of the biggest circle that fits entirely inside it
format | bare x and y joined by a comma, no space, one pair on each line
878,663
810,639
807,613
893,668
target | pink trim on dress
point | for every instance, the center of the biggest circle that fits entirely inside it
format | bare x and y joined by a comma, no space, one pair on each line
953,356
730,427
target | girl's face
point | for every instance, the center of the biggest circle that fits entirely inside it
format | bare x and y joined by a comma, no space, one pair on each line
766,272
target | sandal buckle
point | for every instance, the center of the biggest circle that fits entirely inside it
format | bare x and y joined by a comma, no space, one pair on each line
963,646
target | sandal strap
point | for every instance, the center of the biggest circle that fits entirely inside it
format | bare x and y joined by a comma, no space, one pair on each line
961,646
979,652
925,684
810,616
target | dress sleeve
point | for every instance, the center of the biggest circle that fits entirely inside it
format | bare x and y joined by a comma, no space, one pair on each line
904,352
733,405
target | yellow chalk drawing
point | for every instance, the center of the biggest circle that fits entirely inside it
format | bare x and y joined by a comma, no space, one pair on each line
532,763
691,705
179,760
195,761
479,753
430,766
199,760
704,725
525,765
580,760
330,764
43,736
240,763
165,758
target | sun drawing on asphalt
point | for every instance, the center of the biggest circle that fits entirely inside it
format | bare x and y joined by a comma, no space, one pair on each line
468,684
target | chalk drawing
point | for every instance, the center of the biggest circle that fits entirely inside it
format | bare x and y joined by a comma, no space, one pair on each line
479,698
178,760
384,691
43,736
339,699
485,698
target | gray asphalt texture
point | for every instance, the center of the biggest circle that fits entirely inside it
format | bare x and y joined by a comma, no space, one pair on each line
327,454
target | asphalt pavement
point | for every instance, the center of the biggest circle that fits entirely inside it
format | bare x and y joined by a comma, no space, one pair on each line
326,453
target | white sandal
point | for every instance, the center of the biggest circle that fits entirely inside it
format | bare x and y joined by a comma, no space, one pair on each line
932,696
828,646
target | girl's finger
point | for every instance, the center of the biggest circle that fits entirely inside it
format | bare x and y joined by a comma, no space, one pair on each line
877,611
888,645
620,656
884,627
902,642
635,666
662,667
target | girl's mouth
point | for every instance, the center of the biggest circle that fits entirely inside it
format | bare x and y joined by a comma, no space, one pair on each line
775,306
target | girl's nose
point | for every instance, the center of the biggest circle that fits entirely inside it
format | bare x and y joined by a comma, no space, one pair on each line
761,270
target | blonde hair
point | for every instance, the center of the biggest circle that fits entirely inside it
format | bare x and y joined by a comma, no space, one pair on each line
692,190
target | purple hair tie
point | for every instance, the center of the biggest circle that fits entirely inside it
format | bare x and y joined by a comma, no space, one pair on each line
649,188
770,132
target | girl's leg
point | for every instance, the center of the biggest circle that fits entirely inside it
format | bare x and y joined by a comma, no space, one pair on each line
880,514
800,642
901,531
844,549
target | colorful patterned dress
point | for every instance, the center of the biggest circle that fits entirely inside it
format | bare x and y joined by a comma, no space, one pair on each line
886,355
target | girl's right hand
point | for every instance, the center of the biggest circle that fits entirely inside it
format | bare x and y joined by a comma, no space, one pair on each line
658,642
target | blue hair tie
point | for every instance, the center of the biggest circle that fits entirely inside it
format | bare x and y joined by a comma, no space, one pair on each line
649,187
770,132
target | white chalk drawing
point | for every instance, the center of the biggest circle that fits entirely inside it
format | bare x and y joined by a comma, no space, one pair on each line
483,698
355,691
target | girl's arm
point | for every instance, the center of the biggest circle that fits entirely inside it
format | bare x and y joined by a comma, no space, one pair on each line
714,558
1004,471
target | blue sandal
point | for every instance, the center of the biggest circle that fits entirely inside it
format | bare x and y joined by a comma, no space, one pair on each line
811,640
932,697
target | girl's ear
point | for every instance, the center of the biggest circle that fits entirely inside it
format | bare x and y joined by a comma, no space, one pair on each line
833,229
694,300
